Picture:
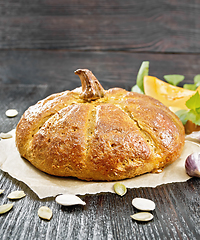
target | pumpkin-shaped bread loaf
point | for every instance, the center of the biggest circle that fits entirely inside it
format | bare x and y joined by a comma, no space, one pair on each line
96,134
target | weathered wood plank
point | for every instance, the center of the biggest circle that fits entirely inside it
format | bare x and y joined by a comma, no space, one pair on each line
156,26
113,69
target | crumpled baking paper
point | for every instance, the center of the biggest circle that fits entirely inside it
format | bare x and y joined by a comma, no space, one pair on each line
45,185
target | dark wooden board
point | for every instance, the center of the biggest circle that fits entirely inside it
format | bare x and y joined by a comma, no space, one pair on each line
153,26
113,69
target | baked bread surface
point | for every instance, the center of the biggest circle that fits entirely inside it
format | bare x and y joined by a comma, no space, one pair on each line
116,136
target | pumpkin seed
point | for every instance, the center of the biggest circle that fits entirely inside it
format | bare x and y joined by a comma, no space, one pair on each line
11,113
45,213
69,200
1,191
5,208
142,216
120,189
143,204
5,135
16,195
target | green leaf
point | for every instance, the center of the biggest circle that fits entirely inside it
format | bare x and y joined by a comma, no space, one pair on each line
136,89
182,114
198,110
143,71
194,117
197,80
194,101
174,79
190,86
194,113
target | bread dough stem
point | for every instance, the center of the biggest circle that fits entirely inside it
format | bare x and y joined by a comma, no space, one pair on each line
91,88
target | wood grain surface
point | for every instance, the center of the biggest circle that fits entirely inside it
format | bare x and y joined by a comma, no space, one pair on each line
156,26
112,69
42,43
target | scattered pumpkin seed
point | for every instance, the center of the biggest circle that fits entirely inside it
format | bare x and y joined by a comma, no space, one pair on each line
120,189
1,191
143,204
142,216
45,213
5,135
16,195
69,200
11,113
5,208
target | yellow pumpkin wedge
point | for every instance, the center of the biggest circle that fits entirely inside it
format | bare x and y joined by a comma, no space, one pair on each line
171,96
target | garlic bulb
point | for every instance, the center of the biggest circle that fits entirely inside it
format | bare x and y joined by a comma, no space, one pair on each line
192,164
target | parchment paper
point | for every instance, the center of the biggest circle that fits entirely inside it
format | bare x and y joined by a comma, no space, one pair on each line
45,185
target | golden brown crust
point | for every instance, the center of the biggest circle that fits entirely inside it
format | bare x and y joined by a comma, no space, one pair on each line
120,135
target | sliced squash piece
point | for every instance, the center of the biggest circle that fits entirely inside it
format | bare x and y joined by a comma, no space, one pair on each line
171,96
